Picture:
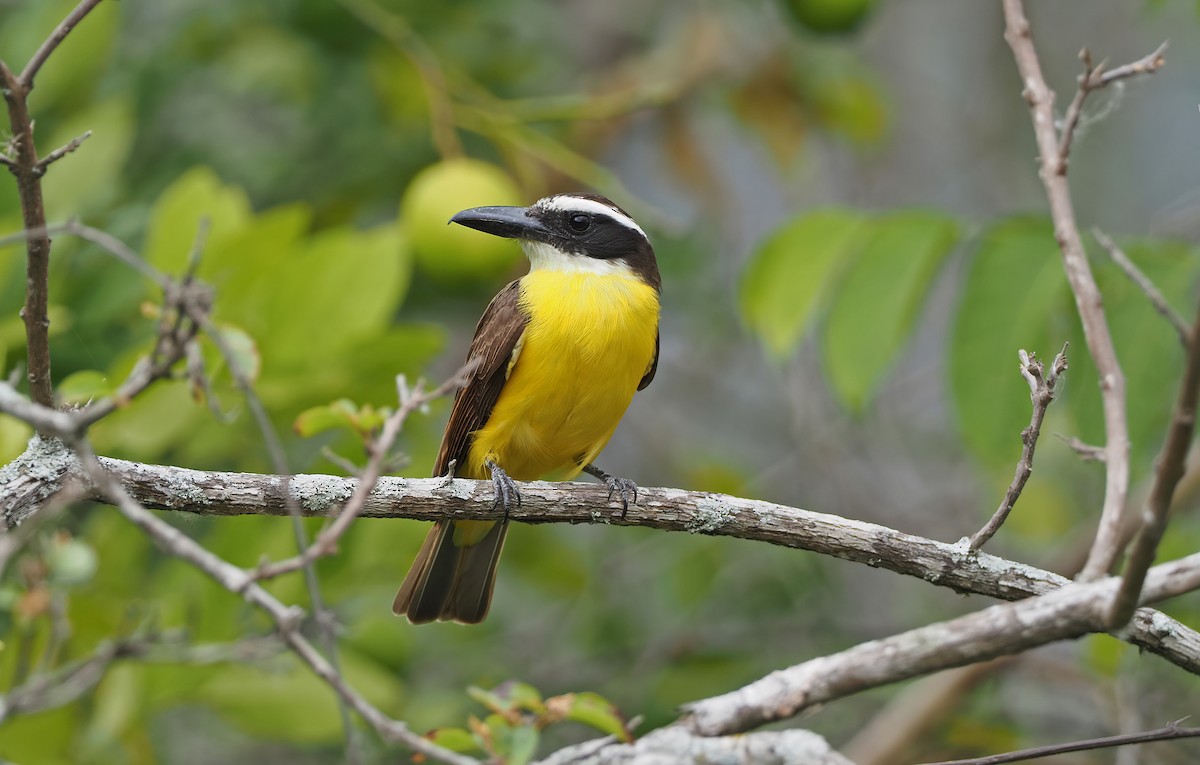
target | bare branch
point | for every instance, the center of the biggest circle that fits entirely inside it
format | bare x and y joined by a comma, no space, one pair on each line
1087,452
56,37
1088,300
1097,77
1170,470
431,499
68,683
61,152
678,746
102,239
1165,733
1041,392
1152,293
1148,64
23,163
1075,610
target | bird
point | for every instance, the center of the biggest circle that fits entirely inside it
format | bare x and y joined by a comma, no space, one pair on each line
554,363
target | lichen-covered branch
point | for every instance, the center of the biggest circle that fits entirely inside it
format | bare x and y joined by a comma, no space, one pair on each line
1070,612
430,499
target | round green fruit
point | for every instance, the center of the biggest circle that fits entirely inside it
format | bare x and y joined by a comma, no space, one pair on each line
829,16
455,254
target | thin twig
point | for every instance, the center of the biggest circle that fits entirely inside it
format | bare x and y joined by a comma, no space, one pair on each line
327,540
67,683
37,247
101,239
1148,288
1041,393
1095,78
1087,452
1088,300
1170,470
1148,64
61,152
1165,733
56,37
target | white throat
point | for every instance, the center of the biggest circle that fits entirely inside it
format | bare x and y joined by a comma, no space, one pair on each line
546,257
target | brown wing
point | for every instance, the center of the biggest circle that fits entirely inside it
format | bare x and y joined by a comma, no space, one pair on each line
646,378
499,330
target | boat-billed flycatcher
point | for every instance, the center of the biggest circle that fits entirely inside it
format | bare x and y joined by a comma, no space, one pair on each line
555,362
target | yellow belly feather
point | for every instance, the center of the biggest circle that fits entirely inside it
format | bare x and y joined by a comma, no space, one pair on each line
589,341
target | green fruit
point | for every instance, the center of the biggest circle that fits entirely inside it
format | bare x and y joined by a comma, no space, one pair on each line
455,254
829,16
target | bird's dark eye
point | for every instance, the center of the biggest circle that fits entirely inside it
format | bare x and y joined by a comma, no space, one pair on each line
580,223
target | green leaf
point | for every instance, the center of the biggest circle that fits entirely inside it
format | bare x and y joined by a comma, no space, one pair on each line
118,705
524,696
1014,285
243,349
594,710
879,299
342,413
789,273
343,286
71,561
84,386
848,101
292,704
522,746
454,739
245,265
195,195
318,419
493,701
14,434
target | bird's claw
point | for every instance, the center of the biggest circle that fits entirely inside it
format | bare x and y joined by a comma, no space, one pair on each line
506,489
624,488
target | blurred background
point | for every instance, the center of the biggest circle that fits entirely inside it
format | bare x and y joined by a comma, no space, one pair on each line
844,200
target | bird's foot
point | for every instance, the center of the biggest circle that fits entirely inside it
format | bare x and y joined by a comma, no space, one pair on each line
624,488
507,494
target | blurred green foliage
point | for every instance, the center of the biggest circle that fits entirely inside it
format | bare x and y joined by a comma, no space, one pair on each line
295,131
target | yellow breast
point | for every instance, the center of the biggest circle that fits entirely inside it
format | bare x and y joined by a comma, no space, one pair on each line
589,341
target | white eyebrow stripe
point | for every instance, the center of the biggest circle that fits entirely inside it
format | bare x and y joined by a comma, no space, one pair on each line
568,203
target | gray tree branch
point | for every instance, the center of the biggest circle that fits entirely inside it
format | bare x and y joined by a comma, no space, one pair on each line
430,499
1073,611
679,746
1088,301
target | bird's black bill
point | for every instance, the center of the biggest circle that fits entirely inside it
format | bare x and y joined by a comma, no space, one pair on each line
508,222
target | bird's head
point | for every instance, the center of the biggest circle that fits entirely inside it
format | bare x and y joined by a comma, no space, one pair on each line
571,232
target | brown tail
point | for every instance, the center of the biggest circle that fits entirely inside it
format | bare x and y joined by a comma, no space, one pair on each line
448,582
